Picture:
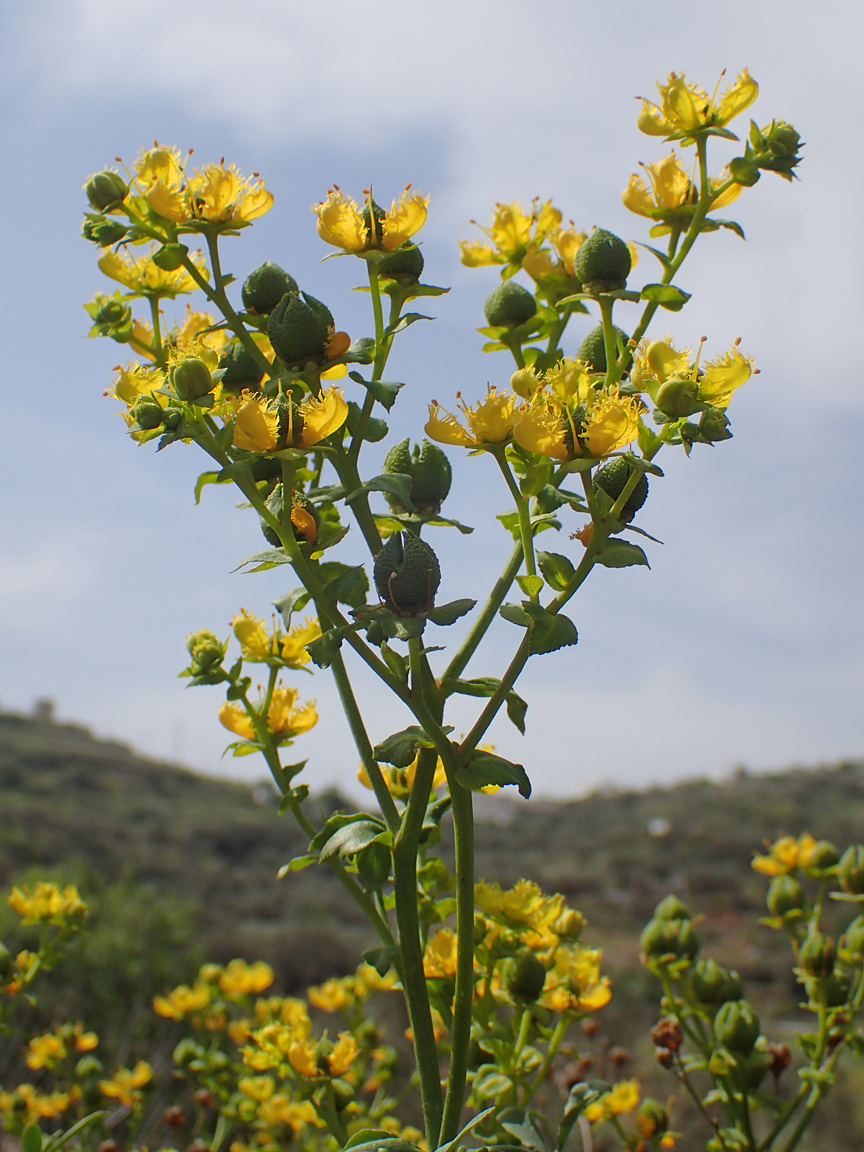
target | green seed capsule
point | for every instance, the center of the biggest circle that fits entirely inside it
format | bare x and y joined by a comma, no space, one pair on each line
603,262
612,477
736,1027
105,189
265,287
430,474
592,350
407,574
299,328
509,305
191,379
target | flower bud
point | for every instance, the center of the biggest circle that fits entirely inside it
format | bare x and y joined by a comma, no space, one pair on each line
524,977
191,379
613,476
407,574
785,895
113,314
667,1034
430,474
304,518
823,855
603,262
404,264
836,989
851,870
146,412
749,1073
299,328
206,651
664,939
853,939
652,1118
817,955
671,908
592,350
240,369
775,148
509,305
524,383
744,171
714,426
569,925
105,189
736,1027
712,984
103,232
677,397
265,287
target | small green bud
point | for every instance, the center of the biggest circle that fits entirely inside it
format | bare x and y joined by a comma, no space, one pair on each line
749,1073
265,287
299,328
817,955
652,1118
146,412
736,1027
678,396
509,305
524,977
569,924
191,379
430,474
171,418
240,369
405,264
592,350
103,232
854,937
407,574
851,870
113,314
836,989
744,172
88,1065
207,653
603,262
671,908
711,983
663,938
775,148
714,426
105,190
612,476
304,518
170,257
785,894
823,855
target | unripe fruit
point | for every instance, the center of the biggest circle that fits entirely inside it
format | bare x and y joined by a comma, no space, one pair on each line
103,232
711,983
854,937
663,938
823,855
671,908
592,350
818,955
430,474
678,396
206,651
736,1027
603,262
851,870
404,264
304,518
191,379
265,287
241,369
524,977
105,189
613,476
407,574
299,328
509,305
785,894
146,413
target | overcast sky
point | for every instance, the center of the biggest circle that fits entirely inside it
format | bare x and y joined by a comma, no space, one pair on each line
742,645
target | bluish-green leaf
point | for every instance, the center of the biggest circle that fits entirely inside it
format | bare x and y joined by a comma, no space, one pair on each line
398,484
666,295
557,570
401,748
485,768
269,558
446,614
621,554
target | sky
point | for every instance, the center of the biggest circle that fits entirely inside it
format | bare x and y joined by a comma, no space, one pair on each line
742,646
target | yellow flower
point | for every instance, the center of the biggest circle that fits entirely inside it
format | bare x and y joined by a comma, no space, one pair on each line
685,109
574,983
785,855
280,1109
235,718
84,1041
660,361
47,904
145,278
672,195
320,416
126,1083
45,1051
399,781
182,1001
256,643
301,1057
138,380
242,979
488,422
284,718
46,1107
517,235
330,996
220,194
611,424
345,1052
258,1088
292,647
623,1097
256,427
439,959
342,223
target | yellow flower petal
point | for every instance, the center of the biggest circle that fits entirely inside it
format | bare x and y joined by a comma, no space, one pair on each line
722,376
256,427
234,718
476,254
340,222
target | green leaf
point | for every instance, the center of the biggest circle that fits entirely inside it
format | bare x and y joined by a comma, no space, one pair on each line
516,709
323,649
621,554
405,322
60,1138
490,1083
207,478
472,1123
381,959
297,865
345,584
549,630
398,484
395,661
401,748
368,1135
519,1123
732,226
557,570
384,391
666,295
373,866
530,585
446,614
513,614
486,768
265,560
537,475
31,1138
352,837
290,603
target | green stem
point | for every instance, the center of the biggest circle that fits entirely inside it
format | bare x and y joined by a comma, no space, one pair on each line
463,832
610,344
487,614
158,346
525,533
558,1034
